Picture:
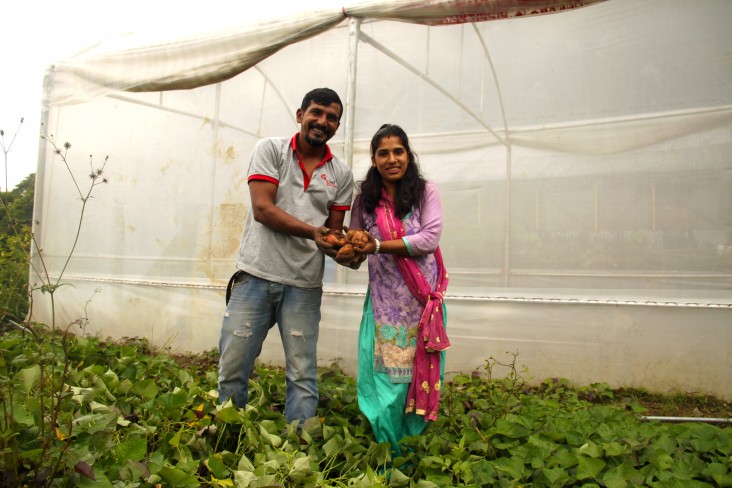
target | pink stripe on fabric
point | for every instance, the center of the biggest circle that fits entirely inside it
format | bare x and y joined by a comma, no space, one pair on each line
424,391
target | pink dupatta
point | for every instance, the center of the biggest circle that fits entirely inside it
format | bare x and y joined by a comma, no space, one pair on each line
424,391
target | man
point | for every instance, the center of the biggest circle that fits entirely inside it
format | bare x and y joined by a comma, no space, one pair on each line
298,190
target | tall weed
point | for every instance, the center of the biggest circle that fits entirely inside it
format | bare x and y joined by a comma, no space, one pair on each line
36,394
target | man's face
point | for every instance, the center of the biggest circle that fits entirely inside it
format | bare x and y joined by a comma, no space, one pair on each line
318,123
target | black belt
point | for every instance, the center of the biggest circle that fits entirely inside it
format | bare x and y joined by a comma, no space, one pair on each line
235,278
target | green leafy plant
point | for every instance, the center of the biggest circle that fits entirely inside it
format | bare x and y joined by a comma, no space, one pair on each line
15,238
134,417
15,224
37,399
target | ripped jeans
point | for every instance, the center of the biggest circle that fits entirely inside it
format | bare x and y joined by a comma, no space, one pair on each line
254,307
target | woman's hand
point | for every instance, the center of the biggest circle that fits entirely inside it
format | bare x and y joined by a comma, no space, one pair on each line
365,243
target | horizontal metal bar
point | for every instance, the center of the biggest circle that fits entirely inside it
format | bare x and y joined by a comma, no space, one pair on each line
448,297
688,419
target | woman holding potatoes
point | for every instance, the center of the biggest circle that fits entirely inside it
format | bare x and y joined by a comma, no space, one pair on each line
402,329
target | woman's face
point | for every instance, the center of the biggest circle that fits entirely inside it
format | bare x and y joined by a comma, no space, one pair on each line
390,159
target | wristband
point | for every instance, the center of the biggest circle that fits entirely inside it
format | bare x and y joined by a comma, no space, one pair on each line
378,246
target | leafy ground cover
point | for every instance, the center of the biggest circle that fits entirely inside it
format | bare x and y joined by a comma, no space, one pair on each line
651,404
83,412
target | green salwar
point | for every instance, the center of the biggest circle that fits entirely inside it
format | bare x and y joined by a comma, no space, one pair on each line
380,400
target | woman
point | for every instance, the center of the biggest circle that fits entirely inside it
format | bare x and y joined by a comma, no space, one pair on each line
402,328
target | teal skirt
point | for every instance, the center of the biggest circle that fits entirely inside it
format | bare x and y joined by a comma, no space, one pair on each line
380,400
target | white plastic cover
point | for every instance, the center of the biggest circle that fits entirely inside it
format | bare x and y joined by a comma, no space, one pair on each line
151,61
583,159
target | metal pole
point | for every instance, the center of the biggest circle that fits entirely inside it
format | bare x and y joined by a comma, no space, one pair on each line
42,167
506,267
689,419
354,27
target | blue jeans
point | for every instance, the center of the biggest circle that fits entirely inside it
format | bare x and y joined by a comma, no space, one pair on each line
254,307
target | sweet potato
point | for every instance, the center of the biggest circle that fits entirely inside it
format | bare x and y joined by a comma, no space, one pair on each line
345,243
333,240
357,237
345,252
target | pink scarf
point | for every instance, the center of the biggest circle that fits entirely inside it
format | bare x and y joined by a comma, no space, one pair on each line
424,391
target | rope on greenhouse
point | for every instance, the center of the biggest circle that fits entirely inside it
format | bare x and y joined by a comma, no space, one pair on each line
478,298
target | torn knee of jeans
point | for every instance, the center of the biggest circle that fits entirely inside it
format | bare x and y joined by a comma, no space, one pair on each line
244,333
296,333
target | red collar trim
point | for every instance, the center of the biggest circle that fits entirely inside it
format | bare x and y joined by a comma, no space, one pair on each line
326,157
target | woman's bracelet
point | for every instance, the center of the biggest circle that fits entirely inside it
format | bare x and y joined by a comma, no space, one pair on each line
378,246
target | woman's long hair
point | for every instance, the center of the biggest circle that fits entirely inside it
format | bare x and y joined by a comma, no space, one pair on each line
409,190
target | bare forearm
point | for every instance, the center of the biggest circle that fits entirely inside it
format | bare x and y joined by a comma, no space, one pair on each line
278,220
395,246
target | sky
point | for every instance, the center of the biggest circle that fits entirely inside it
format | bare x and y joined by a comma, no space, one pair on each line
36,33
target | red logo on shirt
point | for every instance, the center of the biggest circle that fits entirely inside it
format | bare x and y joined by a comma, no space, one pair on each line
328,182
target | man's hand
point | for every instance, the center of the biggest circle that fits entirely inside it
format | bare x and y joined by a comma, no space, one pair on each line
356,261
323,245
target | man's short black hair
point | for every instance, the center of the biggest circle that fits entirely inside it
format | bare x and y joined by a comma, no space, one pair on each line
321,96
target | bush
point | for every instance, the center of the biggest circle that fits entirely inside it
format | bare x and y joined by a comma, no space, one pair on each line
15,238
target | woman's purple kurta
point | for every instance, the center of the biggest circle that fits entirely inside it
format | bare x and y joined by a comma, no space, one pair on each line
396,312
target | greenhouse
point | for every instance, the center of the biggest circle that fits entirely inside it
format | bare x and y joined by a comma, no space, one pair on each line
583,151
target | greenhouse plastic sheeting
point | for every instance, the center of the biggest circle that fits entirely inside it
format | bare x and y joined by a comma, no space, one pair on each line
583,158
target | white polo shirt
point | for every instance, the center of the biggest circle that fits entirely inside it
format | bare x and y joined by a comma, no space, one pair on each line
279,257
